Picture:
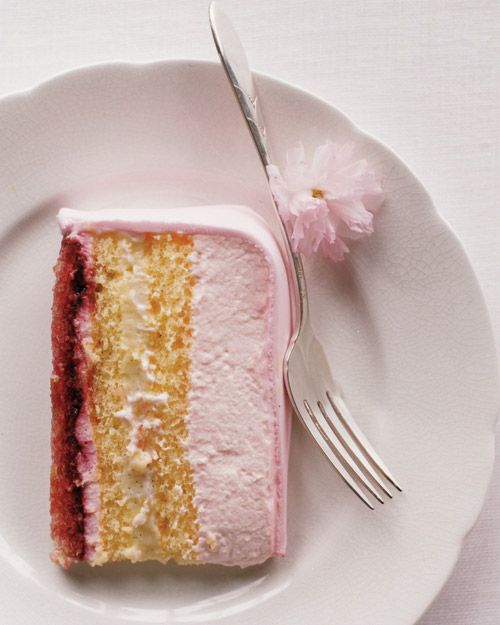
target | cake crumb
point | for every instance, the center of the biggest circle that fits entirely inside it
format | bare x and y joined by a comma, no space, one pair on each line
140,461
211,541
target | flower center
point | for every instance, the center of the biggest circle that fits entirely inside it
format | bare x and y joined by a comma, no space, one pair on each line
317,193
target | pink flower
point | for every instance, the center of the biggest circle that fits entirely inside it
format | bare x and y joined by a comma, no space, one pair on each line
327,202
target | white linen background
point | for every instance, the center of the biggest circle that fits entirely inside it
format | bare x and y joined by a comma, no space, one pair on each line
421,75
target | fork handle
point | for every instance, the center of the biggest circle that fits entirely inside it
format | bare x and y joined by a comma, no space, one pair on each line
239,75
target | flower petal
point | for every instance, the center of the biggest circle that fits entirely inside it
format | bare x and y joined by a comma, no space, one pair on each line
355,220
336,250
322,163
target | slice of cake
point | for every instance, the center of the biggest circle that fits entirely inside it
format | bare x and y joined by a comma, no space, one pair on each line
170,428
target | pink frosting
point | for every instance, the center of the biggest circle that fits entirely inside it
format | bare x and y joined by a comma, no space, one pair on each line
229,220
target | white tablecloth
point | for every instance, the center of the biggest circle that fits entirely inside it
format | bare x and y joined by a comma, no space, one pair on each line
422,75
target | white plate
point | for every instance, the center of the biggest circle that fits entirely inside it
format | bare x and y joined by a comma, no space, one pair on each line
403,320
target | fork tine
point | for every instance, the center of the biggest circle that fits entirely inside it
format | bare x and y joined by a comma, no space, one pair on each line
350,426
344,457
352,448
325,448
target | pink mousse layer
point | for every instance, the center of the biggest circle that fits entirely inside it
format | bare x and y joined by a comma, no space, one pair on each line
238,431
239,419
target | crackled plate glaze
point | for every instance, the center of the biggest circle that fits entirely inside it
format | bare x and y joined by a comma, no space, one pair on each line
403,321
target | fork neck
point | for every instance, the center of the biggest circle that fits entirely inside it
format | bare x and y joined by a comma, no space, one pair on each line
295,267
297,281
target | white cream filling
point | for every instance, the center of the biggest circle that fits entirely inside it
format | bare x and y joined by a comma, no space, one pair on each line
139,371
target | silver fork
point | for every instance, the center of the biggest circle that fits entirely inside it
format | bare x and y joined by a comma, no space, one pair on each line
314,395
